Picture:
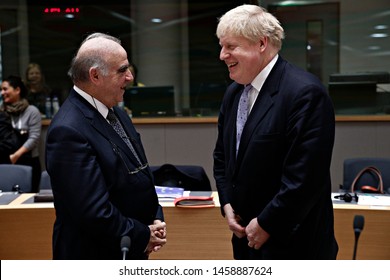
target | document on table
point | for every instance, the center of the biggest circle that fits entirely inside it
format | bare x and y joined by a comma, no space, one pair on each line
373,199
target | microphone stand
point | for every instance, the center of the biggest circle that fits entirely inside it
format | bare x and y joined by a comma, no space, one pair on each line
358,224
124,254
125,245
355,246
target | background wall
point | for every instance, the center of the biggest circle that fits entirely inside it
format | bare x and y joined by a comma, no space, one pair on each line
193,144
357,22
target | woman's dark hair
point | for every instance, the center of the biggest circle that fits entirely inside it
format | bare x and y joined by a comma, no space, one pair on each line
135,74
16,82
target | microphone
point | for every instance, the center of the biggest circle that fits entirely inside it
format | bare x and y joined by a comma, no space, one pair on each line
358,224
125,245
16,189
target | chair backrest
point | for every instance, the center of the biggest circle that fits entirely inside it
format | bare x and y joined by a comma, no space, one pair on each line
45,183
15,174
353,166
189,177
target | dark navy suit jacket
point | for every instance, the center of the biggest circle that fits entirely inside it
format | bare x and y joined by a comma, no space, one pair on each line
282,171
96,200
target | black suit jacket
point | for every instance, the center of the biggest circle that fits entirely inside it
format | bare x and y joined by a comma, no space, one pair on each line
97,201
282,171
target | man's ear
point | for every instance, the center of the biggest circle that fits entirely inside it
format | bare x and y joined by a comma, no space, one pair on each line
94,75
263,42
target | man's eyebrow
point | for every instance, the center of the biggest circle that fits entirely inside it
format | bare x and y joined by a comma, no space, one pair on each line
123,68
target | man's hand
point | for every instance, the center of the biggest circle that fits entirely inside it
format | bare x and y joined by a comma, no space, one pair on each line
256,235
158,235
234,221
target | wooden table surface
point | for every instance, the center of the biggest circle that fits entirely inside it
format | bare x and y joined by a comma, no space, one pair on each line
26,232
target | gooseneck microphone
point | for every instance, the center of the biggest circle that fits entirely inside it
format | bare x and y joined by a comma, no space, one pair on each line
125,245
358,224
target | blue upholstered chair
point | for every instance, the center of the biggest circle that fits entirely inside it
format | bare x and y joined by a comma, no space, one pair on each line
15,178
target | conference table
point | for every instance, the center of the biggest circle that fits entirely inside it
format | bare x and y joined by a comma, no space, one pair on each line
193,233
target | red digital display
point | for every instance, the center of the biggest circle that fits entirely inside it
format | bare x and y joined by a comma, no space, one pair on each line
60,13
57,10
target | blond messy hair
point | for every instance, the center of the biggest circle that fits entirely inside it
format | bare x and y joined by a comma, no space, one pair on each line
253,23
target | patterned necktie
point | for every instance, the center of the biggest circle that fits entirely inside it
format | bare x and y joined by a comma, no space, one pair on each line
242,113
117,126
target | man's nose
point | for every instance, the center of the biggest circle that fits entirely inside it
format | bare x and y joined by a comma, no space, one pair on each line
129,75
223,54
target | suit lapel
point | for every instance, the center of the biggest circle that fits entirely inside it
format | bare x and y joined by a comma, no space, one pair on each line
133,137
259,110
104,128
126,123
236,100
261,107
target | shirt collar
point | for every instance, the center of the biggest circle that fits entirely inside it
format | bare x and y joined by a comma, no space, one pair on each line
99,106
258,82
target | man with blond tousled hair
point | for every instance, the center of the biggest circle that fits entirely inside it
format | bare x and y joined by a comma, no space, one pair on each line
272,172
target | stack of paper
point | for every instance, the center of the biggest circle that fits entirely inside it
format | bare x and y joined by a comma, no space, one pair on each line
373,199
168,193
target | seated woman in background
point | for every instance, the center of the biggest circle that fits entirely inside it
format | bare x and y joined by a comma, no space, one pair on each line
37,88
26,120
8,138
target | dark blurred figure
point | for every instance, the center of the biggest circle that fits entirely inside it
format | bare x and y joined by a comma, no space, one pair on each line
37,88
134,71
8,138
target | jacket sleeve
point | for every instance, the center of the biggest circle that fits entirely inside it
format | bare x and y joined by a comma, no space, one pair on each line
221,153
305,178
